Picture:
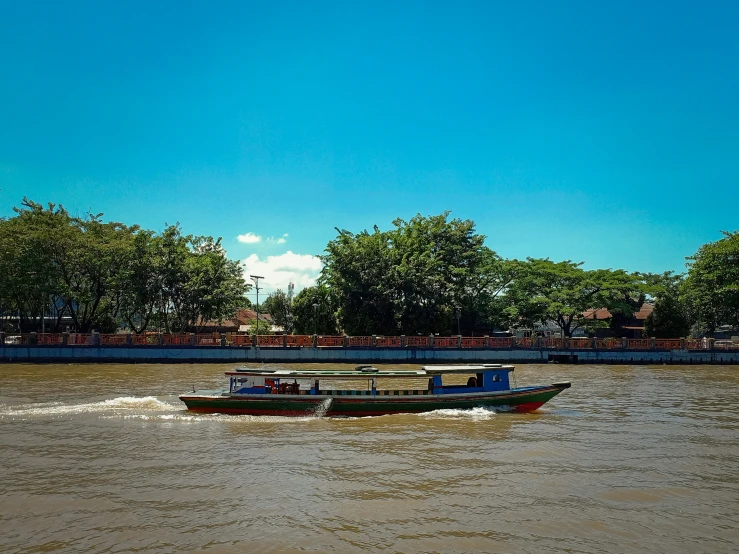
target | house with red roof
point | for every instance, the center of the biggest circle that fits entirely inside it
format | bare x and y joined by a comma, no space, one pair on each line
633,327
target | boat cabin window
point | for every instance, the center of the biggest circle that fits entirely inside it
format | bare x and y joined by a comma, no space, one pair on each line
482,380
469,380
247,382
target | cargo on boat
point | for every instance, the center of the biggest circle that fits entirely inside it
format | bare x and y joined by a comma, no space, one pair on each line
289,392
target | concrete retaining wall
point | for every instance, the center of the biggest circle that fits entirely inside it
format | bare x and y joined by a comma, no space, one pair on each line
199,354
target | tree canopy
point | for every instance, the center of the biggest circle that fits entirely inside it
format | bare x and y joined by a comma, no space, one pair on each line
712,285
429,274
314,311
279,306
413,278
563,292
103,274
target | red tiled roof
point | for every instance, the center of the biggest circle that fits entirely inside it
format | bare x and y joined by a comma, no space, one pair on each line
601,313
644,311
243,316
226,323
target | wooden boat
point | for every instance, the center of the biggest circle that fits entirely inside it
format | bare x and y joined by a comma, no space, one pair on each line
289,392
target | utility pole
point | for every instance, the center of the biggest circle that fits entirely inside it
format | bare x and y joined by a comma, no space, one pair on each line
256,278
289,322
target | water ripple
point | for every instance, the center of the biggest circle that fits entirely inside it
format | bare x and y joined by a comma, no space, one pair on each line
631,459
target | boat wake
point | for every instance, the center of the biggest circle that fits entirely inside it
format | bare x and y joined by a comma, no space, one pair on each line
116,405
323,408
475,414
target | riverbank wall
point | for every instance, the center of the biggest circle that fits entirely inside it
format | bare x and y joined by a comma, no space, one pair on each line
352,355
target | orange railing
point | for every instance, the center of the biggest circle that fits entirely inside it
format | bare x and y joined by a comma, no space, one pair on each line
608,344
696,344
176,340
582,343
446,342
552,342
147,338
668,344
417,342
208,339
269,340
388,342
111,340
51,338
245,340
79,339
299,340
238,340
360,341
499,342
330,341
473,342
638,344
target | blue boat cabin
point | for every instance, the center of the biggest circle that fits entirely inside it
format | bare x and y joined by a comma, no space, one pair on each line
485,381
480,378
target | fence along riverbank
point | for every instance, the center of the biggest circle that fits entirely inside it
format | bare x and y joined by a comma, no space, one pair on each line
221,347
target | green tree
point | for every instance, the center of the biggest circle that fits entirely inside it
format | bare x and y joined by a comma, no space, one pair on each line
712,285
411,278
669,319
279,307
64,260
100,273
485,305
357,270
98,254
260,327
320,318
141,281
562,292
204,285
29,281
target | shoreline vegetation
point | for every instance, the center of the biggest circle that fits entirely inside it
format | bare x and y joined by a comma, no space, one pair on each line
431,275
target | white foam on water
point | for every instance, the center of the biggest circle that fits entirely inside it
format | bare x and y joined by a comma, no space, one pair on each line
155,417
146,403
323,407
476,414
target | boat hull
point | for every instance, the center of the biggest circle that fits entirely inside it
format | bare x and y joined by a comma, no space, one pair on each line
516,400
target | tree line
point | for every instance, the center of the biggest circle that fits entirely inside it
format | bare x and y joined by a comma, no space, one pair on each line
431,274
101,276
436,275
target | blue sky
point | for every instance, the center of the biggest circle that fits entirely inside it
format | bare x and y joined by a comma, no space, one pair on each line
599,132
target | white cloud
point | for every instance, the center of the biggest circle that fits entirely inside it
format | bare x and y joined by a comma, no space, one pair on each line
279,240
278,271
249,238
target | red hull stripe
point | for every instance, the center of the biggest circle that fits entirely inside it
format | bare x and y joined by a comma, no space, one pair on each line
521,408
528,407
251,411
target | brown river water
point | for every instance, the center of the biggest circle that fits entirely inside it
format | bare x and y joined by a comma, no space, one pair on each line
104,458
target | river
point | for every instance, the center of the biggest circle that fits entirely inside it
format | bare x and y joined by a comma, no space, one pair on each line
104,458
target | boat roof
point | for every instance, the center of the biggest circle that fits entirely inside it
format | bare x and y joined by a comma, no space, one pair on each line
366,371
